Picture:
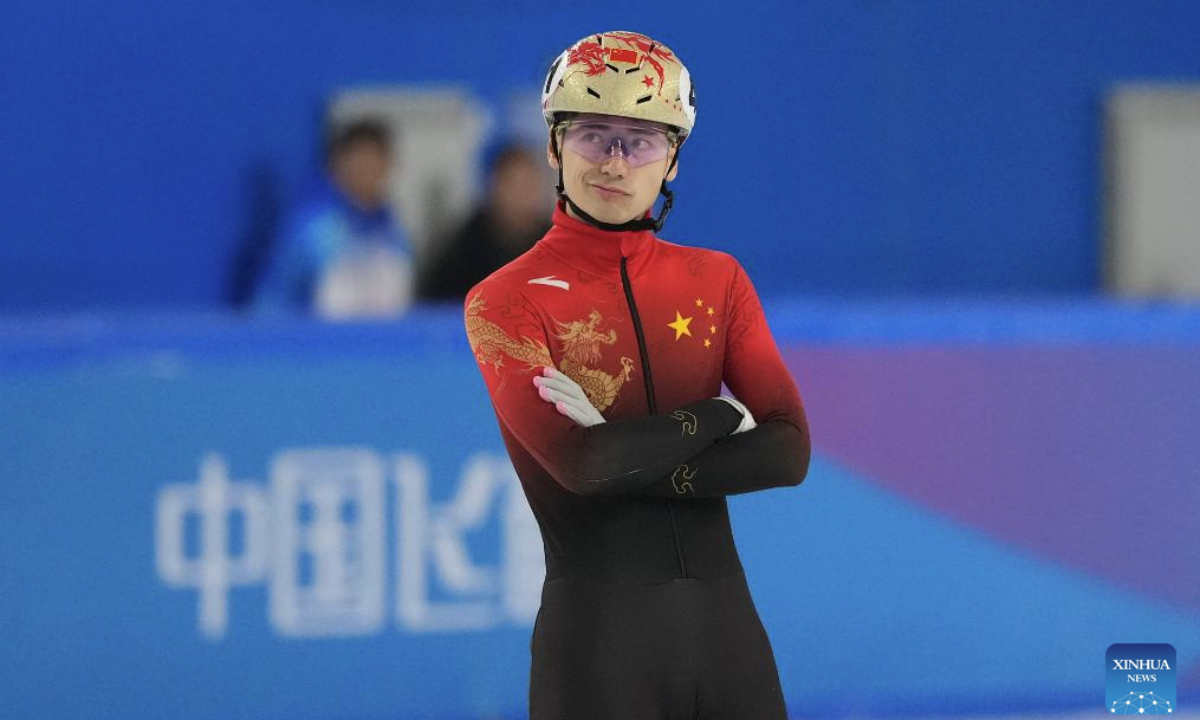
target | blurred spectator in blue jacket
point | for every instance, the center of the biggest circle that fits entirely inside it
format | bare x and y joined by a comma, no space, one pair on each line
342,254
515,215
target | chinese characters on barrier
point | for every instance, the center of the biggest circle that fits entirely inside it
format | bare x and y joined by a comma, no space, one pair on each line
317,535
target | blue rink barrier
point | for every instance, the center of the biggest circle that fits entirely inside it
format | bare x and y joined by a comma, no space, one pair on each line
210,517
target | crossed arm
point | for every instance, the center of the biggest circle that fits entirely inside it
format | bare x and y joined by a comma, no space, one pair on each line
751,457
708,448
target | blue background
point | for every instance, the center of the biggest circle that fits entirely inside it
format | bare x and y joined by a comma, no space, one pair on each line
842,146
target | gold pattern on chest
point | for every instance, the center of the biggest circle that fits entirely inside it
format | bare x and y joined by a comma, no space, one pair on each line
582,341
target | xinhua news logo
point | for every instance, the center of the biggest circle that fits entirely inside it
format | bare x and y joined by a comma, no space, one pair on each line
1140,679
317,535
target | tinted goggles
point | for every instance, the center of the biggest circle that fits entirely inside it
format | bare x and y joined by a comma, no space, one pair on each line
598,139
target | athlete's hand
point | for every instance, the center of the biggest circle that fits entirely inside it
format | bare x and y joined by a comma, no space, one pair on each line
567,397
747,419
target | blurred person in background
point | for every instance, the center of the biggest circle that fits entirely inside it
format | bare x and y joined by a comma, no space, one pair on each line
342,254
604,350
508,223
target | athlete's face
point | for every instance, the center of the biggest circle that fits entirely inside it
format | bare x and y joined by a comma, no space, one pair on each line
613,167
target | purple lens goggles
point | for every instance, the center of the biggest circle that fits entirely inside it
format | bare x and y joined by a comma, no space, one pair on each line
598,139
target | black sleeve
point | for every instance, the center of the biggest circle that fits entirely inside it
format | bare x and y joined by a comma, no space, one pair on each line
627,455
774,454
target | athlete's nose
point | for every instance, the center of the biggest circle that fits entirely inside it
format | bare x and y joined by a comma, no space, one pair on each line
615,165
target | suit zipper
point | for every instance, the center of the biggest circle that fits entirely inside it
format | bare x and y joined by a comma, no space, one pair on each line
648,379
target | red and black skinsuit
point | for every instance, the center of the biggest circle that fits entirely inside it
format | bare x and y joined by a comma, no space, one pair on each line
645,610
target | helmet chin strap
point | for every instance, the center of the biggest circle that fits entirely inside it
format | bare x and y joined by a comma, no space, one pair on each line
643,223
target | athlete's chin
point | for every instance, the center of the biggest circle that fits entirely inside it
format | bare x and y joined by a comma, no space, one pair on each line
613,212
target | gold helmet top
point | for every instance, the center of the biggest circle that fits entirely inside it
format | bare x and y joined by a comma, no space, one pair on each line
624,74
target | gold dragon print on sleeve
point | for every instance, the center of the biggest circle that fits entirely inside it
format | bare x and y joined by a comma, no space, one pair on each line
490,343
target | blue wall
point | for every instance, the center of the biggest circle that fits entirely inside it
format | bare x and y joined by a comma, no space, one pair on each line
842,146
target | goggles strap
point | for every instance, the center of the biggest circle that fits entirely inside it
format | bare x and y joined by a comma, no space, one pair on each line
645,223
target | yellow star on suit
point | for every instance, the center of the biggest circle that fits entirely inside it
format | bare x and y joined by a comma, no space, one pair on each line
680,326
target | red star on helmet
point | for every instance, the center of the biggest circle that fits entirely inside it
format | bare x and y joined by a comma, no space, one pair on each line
648,81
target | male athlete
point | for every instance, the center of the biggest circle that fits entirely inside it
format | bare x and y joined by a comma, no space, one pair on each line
604,349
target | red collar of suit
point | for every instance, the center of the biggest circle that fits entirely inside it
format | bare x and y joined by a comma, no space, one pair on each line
597,251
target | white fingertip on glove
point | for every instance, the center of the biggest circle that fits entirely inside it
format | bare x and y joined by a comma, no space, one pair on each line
568,398
747,419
